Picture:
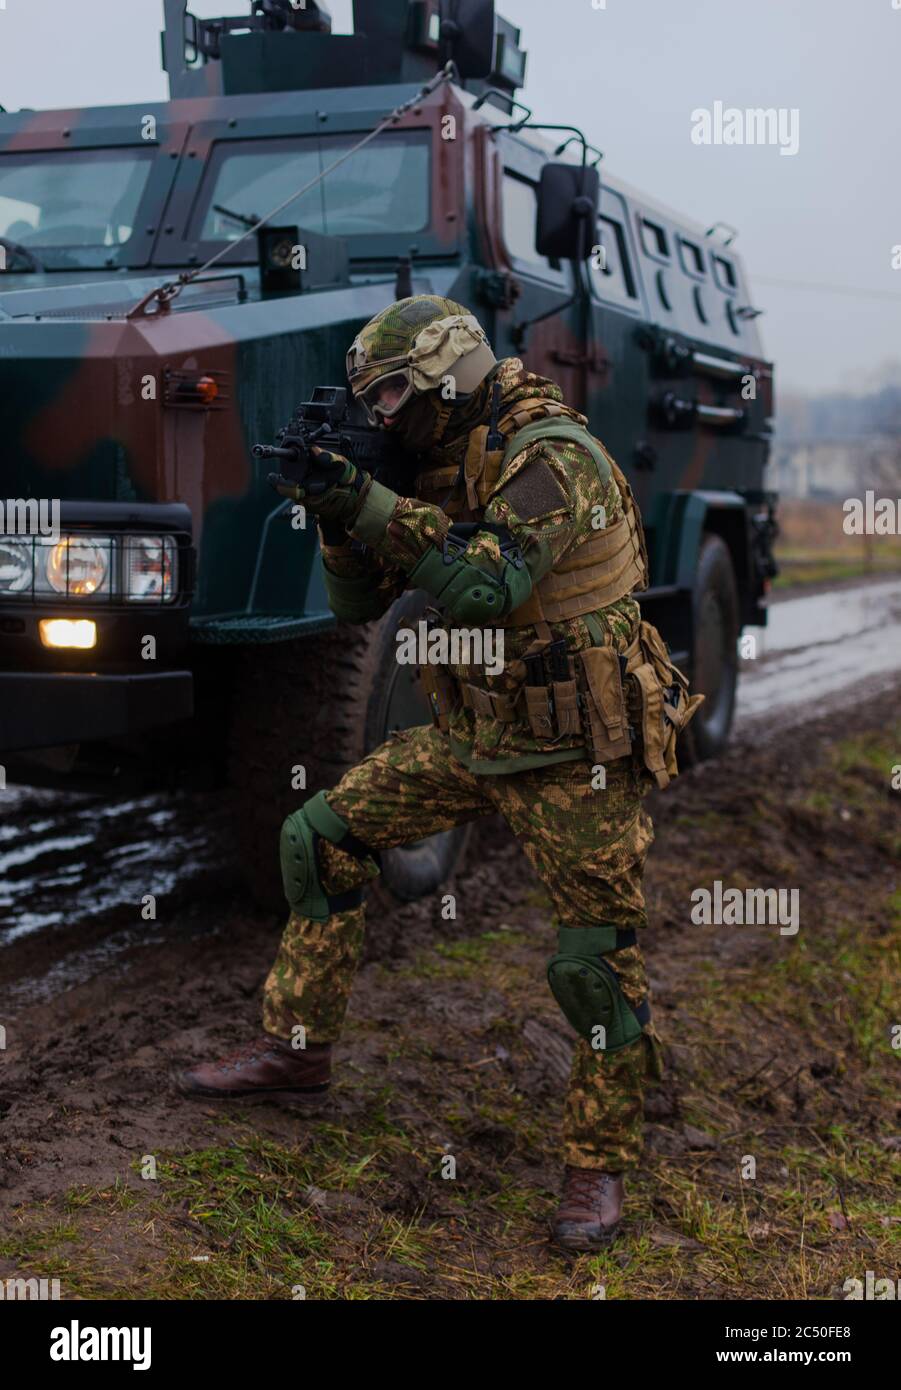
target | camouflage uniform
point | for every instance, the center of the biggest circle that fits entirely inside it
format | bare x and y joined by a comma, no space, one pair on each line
587,845
588,848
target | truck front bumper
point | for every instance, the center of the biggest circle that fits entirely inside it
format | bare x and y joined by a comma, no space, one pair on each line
44,709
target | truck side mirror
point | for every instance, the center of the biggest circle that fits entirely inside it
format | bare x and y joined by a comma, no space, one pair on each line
467,36
569,196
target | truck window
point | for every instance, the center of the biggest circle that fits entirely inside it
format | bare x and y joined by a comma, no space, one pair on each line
520,210
653,239
615,281
692,257
725,274
387,185
77,198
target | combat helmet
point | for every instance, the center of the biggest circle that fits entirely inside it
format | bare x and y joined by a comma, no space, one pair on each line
414,346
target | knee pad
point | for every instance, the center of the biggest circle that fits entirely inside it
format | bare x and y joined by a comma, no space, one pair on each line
587,987
301,832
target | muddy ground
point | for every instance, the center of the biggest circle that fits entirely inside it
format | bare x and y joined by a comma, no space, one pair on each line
779,1048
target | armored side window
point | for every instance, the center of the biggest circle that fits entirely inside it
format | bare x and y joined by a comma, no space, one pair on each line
611,271
691,256
724,272
520,213
654,239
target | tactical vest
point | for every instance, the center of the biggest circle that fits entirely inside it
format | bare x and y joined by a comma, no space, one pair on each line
595,571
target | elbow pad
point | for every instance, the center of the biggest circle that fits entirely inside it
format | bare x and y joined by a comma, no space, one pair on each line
352,599
469,593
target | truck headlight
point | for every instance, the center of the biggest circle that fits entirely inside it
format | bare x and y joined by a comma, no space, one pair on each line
148,568
79,566
16,565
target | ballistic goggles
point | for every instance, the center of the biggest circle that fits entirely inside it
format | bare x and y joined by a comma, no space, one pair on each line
386,395
453,347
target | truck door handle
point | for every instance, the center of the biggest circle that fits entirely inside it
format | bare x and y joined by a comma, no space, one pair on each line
720,367
677,412
677,359
571,357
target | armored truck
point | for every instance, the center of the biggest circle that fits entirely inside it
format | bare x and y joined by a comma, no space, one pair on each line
157,318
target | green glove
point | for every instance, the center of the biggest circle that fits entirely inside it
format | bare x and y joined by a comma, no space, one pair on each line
333,491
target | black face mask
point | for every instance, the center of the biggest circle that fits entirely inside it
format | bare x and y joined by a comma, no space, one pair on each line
421,426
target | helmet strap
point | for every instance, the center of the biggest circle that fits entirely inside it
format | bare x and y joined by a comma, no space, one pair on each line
495,439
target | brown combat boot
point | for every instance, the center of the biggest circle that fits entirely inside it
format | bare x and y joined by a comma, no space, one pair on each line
590,1209
267,1068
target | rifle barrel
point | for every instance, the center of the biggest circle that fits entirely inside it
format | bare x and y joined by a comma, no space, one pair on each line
270,451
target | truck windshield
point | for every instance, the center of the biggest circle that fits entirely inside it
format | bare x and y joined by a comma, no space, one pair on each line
384,188
71,197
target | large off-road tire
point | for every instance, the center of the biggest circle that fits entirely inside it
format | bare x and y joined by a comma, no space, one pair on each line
320,704
714,658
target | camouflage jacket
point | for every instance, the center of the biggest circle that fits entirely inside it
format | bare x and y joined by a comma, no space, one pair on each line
546,521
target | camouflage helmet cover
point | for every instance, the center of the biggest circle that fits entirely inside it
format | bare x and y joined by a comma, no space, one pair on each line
423,340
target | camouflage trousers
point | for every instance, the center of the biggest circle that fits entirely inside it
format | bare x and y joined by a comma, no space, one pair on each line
588,847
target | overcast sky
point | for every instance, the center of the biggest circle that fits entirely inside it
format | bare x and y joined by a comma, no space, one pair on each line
631,73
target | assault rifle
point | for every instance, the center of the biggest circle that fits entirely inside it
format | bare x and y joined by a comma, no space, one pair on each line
328,422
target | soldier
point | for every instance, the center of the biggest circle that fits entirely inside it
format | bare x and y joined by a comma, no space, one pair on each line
521,521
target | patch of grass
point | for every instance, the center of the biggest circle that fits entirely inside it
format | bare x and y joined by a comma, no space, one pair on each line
855,986
32,1239
466,958
478,950
795,570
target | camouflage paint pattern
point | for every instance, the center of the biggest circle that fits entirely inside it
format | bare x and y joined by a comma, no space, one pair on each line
588,848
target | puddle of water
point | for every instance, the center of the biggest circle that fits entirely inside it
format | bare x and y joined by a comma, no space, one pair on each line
15,857
106,857
821,645
15,832
825,618
109,893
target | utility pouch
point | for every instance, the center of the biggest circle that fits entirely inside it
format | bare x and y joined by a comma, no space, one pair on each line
666,706
441,692
607,729
653,727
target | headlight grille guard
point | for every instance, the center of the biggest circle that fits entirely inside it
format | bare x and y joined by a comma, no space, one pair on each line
120,528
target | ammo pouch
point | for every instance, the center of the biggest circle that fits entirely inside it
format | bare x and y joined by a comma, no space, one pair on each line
442,693
587,988
550,694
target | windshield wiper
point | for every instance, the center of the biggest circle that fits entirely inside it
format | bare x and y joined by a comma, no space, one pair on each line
245,219
15,248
